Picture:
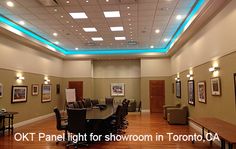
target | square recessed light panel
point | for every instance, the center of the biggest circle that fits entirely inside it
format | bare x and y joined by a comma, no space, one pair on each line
111,14
78,15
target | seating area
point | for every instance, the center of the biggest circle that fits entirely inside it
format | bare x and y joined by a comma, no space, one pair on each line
176,114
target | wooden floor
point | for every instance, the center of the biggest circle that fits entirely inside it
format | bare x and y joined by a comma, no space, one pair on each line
145,124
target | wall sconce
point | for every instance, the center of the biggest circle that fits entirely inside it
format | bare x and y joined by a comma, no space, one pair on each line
177,79
20,78
189,75
212,69
46,81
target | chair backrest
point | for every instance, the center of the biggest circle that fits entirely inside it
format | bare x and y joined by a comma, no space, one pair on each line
119,115
1,122
80,103
58,118
70,105
109,100
76,120
94,102
76,105
87,103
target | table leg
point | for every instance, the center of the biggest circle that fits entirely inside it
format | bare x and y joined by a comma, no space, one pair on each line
9,125
230,146
203,135
222,144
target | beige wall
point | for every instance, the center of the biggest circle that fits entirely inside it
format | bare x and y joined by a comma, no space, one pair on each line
116,69
102,88
214,40
155,67
223,106
15,56
33,107
77,68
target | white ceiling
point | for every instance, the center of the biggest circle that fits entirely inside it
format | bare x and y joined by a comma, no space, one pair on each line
145,17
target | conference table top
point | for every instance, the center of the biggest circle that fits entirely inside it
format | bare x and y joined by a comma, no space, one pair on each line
96,113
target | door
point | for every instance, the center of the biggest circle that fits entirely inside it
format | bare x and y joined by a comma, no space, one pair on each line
78,86
157,95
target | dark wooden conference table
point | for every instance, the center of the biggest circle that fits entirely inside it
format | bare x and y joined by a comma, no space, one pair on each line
96,113
98,118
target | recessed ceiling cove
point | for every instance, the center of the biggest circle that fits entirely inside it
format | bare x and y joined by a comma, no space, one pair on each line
100,27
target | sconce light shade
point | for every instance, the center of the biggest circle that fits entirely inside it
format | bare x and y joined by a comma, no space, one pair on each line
20,78
212,69
189,75
46,81
177,79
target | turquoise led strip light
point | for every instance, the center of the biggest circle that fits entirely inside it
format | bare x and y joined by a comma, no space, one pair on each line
105,51
31,34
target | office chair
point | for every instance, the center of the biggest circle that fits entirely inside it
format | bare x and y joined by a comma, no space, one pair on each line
77,124
61,123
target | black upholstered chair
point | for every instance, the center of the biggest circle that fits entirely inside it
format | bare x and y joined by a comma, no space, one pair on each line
81,104
94,102
87,103
61,123
109,100
77,124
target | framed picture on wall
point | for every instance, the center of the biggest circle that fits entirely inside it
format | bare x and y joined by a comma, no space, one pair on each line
35,89
19,94
191,94
173,88
1,90
117,89
201,88
178,89
215,86
58,88
46,93
235,86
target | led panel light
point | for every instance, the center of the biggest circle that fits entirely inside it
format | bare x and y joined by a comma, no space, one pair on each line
78,15
117,28
97,38
120,38
90,29
111,14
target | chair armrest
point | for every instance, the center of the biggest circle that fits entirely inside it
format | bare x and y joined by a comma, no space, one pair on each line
177,116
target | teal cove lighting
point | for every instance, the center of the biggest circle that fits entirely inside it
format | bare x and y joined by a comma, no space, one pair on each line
50,45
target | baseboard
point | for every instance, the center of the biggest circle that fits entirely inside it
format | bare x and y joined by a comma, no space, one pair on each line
33,120
199,130
145,111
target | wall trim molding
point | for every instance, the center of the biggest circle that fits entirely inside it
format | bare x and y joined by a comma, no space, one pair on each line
146,111
26,122
199,130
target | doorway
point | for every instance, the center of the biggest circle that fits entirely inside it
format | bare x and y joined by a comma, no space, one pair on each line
157,95
78,86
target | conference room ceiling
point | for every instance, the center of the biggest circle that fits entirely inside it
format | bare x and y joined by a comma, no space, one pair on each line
147,24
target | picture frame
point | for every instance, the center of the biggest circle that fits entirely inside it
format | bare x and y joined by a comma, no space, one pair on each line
215,86
178,89
19,94
58,88
1,90
35,89
117,89
202,97
173,88
235,86
46,93
191,93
